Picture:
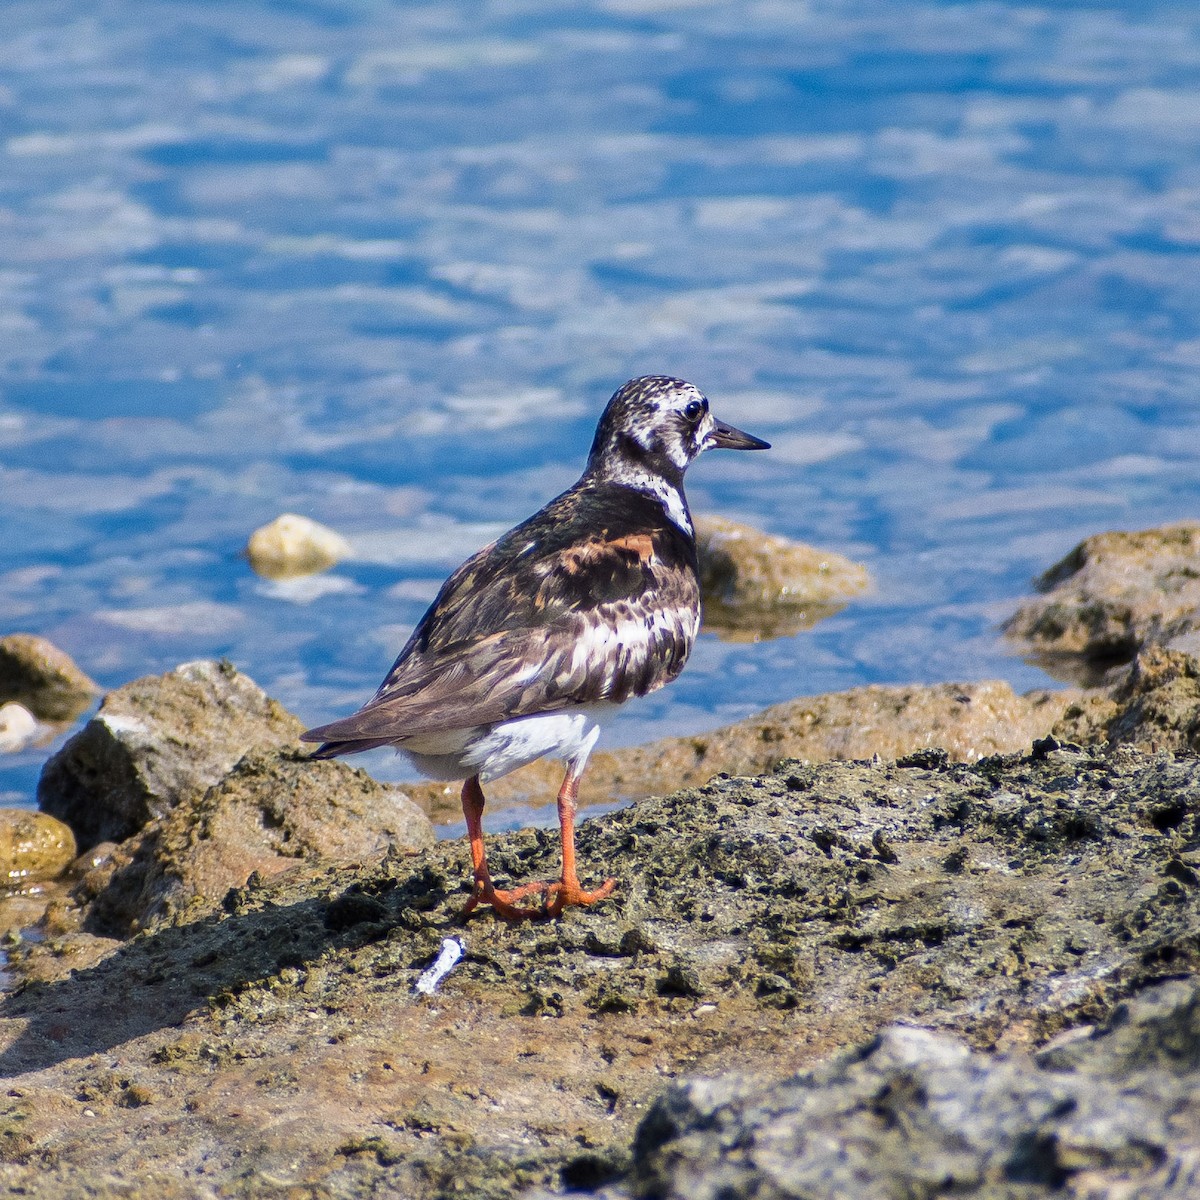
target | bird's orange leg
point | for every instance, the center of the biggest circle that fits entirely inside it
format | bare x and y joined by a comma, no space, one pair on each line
504,903
568,893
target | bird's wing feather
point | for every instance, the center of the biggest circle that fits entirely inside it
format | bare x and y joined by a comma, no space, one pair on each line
538,621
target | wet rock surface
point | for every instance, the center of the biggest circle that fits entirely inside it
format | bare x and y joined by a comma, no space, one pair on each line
33,847
756,584
36,674
967,720
272,1038
156,742
1114,594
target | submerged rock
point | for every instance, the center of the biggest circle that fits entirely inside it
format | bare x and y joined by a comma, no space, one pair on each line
156,742
33,847
758,584
294,545
1114,594
44,679
761,926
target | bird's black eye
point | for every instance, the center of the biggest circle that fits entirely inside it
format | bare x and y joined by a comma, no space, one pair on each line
693,410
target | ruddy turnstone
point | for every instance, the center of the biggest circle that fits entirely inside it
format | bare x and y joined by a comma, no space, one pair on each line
589,602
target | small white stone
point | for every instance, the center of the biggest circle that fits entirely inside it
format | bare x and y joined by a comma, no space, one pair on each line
18,727
295,545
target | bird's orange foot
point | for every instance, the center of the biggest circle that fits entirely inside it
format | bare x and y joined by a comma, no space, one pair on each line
504,903
555,897
568,894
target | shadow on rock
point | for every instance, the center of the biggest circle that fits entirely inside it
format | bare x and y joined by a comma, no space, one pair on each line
154,981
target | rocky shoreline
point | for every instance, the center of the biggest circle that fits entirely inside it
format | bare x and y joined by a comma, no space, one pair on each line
273,1043
903,975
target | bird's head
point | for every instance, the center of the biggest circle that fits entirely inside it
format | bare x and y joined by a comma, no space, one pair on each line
661,424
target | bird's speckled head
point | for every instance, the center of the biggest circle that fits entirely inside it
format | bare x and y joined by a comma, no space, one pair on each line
660,424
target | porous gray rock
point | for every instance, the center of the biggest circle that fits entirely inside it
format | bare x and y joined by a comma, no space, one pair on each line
761,926
1151,704
917,1113
156,742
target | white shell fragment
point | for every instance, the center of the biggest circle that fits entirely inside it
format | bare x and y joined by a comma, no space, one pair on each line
432,976
295,545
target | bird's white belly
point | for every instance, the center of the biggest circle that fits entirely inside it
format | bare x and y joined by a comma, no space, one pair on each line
490,751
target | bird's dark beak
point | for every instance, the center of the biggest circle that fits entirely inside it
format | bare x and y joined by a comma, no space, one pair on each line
725,437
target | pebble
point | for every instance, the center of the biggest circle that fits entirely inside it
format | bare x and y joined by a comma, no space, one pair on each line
294,545
18,727
33,847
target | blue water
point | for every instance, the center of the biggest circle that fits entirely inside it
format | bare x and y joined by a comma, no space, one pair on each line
383,263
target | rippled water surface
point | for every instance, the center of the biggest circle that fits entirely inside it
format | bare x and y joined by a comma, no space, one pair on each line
383,263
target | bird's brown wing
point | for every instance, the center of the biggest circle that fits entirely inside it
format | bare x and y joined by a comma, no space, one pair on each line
595,598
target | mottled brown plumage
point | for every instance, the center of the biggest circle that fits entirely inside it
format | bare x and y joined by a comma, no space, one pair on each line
599,557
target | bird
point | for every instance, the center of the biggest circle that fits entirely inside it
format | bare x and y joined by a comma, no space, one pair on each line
535,639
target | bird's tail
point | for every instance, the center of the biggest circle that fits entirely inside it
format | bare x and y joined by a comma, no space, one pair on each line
333,749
